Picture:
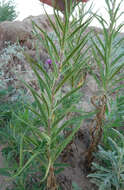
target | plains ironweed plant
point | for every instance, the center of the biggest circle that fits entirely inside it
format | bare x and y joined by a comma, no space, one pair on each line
66,61
110,73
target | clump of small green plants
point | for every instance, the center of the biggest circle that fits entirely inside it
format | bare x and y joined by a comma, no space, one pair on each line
9,69
114,118
10,51
109,172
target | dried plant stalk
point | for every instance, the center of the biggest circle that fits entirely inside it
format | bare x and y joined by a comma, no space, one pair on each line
99,102
51,180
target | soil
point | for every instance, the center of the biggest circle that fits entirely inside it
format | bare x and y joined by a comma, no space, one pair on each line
76,173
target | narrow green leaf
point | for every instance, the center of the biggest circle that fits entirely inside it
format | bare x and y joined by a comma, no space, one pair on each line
38,27
21,151
100,41
118,30
118,44
45,86
39,103
116,71
48,139
33,110
54,47
99,51
68,76
66,26
101,68
41,108
70,73
75,49
31,140
68,94
47,171
116,60
113,143
56,131
53,25
84,26
58,20
57,120
103,23
66,141
27,164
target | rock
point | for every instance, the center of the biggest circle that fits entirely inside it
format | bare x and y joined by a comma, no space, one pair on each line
21,31
15,65
16,37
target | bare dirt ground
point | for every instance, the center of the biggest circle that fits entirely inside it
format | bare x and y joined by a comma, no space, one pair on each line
76,173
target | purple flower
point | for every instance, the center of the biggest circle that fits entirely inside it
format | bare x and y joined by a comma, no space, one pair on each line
48,62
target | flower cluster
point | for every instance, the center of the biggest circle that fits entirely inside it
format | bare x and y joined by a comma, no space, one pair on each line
49,62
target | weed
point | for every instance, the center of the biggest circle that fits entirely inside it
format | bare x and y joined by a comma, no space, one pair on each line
46,142
109,174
